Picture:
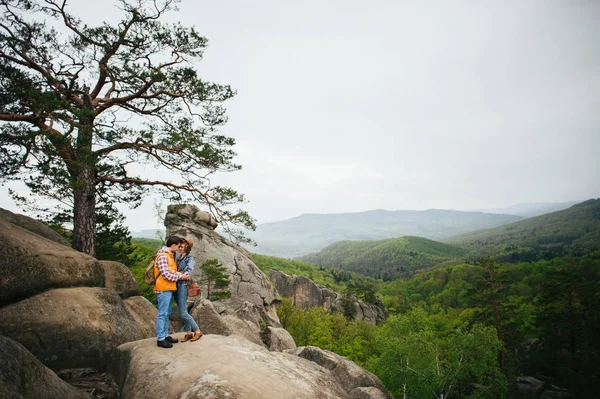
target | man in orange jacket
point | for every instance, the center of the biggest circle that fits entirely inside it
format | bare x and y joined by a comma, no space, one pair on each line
164,288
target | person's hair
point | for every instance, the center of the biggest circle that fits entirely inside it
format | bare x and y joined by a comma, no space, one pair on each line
173,240
186,247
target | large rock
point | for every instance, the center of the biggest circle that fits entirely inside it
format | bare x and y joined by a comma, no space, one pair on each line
306,293
119,278
247,281
208,319
31,264
24,376
220,367
70,327
349,375
278,339
34,226
144,314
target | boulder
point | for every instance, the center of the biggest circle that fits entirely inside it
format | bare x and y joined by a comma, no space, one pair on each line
242,318
278,339
306,293
35,226
348,374
31,264
71,327
530,386
247,281
367,393
208,319
144,314
219,367
95,384
119,278
24,376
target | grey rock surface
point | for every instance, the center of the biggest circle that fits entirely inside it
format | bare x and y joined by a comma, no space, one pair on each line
247,281
24,376
144,314
348,374
278,339
34,226
31,264
119,278
219,367
70,327
306,293
208,319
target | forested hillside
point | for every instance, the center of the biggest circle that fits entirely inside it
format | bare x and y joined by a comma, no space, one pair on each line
386,259
573,231
312,232
470,329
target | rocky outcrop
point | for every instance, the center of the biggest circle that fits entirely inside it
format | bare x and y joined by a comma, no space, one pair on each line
120,279
347,373
70,327
79,311
144,314
24,376
278,339
247,282
34,226
533,388
306,293
31,264
224,367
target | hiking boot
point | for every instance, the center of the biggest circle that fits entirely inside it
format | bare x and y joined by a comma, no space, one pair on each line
164,344
187,337
196,336
171,340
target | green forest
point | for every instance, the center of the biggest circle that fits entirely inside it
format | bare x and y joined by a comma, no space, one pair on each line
466,317
469,326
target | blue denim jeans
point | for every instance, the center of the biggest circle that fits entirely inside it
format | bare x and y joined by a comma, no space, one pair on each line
189,324
164,311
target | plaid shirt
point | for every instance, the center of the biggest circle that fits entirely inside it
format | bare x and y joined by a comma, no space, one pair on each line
162,263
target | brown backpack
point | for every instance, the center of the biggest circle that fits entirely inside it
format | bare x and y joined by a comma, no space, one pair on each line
149,276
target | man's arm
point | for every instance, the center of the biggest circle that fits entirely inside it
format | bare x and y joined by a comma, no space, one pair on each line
162,263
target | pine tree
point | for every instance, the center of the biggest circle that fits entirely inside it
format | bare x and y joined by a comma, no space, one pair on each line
91,116
216,278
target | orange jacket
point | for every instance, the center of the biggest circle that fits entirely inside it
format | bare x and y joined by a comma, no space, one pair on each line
163,284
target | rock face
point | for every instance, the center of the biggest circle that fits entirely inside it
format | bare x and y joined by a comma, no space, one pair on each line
34,226
72,312
144,314
533,388
247,282
120,279
70,327
31,264
24,376
346,372
305,293
223,367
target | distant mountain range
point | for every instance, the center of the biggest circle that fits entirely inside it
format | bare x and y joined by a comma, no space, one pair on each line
532,209
387,259
311,232
574,231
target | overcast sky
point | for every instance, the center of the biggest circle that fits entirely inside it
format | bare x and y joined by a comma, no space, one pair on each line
347,106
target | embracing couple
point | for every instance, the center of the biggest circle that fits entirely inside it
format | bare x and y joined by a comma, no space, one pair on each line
173,274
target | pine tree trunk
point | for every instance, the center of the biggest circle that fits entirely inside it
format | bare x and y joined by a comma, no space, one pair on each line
84,185
84,212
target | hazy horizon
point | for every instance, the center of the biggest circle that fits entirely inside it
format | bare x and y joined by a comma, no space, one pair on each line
347,106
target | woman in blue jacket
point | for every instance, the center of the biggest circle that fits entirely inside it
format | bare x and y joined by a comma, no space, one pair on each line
185,265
